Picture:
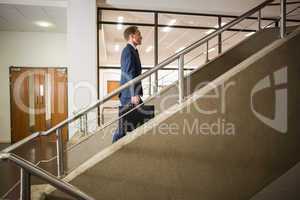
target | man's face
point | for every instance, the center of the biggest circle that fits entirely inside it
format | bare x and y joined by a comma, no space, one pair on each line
137,38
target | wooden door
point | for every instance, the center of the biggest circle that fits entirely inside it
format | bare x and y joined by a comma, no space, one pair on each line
59,98
111,86
40,103
19,104
38,100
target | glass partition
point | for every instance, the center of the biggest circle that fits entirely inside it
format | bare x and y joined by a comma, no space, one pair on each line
187,20
126,17
111,43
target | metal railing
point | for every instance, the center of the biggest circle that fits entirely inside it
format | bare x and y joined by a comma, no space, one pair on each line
28,169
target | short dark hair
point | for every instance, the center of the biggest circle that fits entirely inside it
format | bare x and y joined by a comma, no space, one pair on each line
130,30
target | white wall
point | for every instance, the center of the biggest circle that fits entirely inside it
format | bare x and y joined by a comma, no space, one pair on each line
32,49
82,56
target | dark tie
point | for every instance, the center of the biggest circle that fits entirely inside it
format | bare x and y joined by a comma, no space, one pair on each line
138,55
137,52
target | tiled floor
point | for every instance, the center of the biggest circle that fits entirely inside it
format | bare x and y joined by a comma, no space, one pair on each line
35,151
3,145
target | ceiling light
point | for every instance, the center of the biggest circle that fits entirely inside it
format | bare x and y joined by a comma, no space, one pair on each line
120,19
249,34
166,29
209,31
222,24
212,49
43,24
149,49
119,26
117,47
172,22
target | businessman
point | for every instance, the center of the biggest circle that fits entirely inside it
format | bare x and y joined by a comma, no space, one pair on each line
130,69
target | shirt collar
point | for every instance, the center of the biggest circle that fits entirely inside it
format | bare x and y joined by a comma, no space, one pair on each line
132,45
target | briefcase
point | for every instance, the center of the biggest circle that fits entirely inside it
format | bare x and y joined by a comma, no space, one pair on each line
136,117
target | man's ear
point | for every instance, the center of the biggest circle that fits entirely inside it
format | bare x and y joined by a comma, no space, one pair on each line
130,37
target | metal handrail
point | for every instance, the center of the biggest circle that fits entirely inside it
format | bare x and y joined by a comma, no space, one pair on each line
287,3
278,19
21,142
28,169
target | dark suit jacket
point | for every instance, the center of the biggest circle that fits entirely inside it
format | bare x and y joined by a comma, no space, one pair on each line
130,68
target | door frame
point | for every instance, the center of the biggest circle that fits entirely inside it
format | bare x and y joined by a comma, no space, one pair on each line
32,68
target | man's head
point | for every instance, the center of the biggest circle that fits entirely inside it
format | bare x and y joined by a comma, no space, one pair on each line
133,35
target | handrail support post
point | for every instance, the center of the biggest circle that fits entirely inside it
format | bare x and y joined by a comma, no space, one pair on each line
25,193
81,124
60,153
155,89
207,51
86,124
220,36
259,20
181,78
150,85
282,18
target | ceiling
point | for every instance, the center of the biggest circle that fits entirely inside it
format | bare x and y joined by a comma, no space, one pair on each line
21,15
53,3
16,17
232,7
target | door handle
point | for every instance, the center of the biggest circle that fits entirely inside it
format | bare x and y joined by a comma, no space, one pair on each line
42,93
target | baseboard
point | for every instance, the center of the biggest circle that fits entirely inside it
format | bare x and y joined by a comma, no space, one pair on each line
5,141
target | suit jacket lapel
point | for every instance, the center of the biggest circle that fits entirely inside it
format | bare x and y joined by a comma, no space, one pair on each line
136,54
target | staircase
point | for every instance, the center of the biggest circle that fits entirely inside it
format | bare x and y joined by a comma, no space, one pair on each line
169,96
186,162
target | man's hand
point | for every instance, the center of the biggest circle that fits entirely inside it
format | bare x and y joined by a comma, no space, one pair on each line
135,100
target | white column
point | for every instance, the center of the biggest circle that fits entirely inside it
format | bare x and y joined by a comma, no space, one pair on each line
82,49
